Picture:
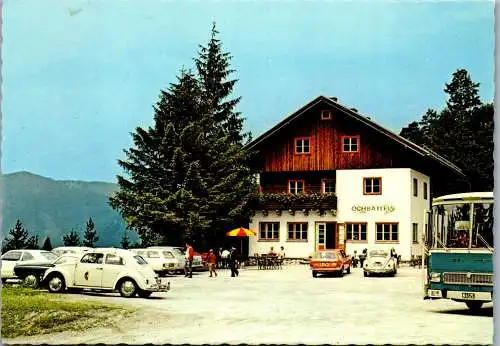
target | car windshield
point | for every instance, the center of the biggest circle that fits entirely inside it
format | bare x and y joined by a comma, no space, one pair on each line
325,255
178,251
378,253
140,260
49,255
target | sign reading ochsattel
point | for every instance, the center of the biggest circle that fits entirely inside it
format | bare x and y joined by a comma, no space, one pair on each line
386,208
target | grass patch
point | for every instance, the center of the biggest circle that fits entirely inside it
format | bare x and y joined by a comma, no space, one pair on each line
28,312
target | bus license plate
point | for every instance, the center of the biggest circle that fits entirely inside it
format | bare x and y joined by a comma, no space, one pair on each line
468,295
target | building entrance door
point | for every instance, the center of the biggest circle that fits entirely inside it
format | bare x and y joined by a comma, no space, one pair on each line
325,235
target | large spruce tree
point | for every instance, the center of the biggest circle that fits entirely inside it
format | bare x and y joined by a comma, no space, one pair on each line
213,66
462,132
187,176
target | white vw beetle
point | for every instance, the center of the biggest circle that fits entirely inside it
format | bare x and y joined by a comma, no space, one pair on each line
380,262
106,269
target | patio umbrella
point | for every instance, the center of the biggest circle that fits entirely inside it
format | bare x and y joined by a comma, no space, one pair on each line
241,232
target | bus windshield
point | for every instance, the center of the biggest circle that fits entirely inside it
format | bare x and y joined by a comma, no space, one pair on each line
463,225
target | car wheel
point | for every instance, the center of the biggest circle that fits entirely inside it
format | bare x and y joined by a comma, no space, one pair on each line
144,294
171,272
314,274
474,305
56,284
31,280
127,288
365,274
341,273
349,270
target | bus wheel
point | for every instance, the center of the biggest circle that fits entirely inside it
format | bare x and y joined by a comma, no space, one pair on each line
474,305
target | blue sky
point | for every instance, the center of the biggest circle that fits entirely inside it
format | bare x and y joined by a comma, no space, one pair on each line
79,76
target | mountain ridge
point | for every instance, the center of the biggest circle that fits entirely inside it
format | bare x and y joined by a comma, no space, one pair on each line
49,207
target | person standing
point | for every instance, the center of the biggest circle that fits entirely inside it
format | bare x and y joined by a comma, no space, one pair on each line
225,256
233,263
188,269
219,258
211,262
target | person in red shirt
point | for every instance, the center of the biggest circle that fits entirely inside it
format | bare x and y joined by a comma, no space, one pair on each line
211,262
188,268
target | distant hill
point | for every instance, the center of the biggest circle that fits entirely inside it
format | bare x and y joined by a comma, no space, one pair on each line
48,207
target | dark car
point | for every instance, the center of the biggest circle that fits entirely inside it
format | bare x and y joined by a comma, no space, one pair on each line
32,274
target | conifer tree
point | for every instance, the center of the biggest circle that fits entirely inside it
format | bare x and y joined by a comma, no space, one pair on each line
47,245
19,238
71,239
125,243
462,132
187,176
90,236
213,66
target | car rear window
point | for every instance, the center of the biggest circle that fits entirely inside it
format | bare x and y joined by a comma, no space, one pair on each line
326,255
49,255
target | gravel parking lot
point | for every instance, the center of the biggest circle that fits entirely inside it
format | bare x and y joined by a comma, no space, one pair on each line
289,306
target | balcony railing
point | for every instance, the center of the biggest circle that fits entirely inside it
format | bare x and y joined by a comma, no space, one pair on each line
321,202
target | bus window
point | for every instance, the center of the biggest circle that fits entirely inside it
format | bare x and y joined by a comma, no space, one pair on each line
451,224
482,233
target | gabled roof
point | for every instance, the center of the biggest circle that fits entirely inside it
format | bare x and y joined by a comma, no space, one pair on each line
422,151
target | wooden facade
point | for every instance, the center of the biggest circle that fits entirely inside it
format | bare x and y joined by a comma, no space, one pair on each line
279,161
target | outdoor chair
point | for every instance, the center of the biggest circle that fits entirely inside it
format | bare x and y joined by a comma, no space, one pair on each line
261,260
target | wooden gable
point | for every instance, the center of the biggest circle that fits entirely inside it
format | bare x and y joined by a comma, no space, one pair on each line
377,147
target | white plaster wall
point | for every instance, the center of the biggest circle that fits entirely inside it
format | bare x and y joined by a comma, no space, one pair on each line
396,191
292,248
418,207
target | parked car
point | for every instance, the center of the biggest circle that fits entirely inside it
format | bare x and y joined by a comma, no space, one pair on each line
380,262
197,259
330,262
14,257
106,269
73,250
32,273
163,259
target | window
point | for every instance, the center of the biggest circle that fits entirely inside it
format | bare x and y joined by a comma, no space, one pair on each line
350,144
425,190
296,186
372,186
93,258
153,254
415,233
49,255
140,260
415,187
355,231
168,254
302,146
12,256
387,232
297,231
27,257
328,185
113,259
269,231
326,115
